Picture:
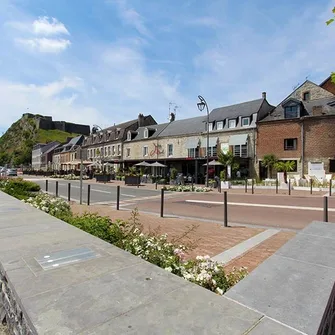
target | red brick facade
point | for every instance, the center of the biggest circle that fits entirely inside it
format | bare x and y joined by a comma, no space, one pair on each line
328,85
319,140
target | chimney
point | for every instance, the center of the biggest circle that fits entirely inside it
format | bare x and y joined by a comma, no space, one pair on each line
140,120
264,95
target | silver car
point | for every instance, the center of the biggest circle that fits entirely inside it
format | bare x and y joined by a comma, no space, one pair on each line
11,172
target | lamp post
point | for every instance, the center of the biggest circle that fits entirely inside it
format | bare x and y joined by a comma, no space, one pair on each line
201,106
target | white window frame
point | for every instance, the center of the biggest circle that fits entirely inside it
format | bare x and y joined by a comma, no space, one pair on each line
129,136
127,152
210,126
109,150
229,123
146,133
113,150
119,149
217,125
243,119
143,151
168,151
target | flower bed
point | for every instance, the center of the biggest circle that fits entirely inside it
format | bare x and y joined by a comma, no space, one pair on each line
154,248
185,188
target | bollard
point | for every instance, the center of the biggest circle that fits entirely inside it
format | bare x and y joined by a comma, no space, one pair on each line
246,185
277,185
156,185
68,191
225,222
162,202
57,188
118,197
325,209
219,186
46,185
311,186
289,186
192,184
88,194
330,187
252,186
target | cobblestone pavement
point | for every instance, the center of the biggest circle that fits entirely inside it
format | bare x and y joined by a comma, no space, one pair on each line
3,330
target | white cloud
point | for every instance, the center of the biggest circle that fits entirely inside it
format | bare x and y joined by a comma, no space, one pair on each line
48,99
49,26
45,45
131,17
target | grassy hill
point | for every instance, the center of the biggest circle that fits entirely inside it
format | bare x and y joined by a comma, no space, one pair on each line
17,142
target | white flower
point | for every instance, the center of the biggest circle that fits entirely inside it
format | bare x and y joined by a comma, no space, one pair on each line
169,268
218,290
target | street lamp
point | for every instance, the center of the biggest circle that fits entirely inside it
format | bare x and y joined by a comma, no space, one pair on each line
201,106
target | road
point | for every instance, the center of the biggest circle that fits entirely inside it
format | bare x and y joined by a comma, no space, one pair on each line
260,210
278,211
99,194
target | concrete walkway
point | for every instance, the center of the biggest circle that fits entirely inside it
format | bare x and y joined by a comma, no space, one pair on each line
243,247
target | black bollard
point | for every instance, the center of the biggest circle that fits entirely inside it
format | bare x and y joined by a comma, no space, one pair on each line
277,185
311,186
88,194
246,185
162,202
330,187
46,185
69,192
252,186
289,186
225,222
57,188
325,209
118,197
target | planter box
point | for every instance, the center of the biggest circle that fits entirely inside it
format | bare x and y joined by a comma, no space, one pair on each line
132,180
103,178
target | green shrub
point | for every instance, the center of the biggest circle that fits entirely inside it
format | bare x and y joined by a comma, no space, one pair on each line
19,188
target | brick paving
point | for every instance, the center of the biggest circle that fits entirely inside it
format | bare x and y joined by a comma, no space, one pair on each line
3,330
255,256
212,238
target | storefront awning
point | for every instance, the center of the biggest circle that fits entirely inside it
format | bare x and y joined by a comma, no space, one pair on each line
192,143
238,139
212,142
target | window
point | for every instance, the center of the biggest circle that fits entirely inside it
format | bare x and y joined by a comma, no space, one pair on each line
105,151
113,150
212,151
245,121
145,151
290,144
193,153
232,123
128,152
291,112
210,126
241,150
219,125
146,133
129,136
119,149
88,153
306,96
94,153
170,150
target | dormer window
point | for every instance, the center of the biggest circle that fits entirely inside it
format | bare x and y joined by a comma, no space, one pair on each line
232,123
210,126
291,112
129,136
146,133
219,125
306,96
245,121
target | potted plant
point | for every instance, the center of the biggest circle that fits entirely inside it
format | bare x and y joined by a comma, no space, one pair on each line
227,159
102,177
132,177
173,176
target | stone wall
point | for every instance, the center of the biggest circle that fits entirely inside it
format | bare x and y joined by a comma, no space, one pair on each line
316,92
10,310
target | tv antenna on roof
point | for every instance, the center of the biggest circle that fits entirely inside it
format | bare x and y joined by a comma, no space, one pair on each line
294,87
172,115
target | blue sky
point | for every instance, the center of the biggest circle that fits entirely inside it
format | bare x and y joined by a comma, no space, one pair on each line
105,61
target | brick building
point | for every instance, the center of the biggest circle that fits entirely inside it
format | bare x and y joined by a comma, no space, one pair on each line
301,129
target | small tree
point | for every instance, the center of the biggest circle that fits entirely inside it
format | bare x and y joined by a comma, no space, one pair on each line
227,159
285,167
269,162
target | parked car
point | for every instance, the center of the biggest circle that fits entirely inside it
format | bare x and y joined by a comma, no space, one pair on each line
11,172
3,171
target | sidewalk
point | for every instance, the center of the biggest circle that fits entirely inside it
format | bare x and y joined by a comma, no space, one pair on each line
212,238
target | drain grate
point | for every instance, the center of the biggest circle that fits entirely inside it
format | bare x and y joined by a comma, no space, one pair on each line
65,257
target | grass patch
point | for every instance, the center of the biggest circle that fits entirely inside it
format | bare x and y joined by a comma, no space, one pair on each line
45,136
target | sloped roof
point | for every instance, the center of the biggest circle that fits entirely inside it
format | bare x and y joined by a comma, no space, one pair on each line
189,126
157,128
50,146
242,109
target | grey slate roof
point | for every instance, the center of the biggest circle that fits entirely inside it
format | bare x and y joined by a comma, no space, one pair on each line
50,146
189,126
327,105
230,112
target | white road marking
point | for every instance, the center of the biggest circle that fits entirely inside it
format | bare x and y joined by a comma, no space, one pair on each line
261,205
128,195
